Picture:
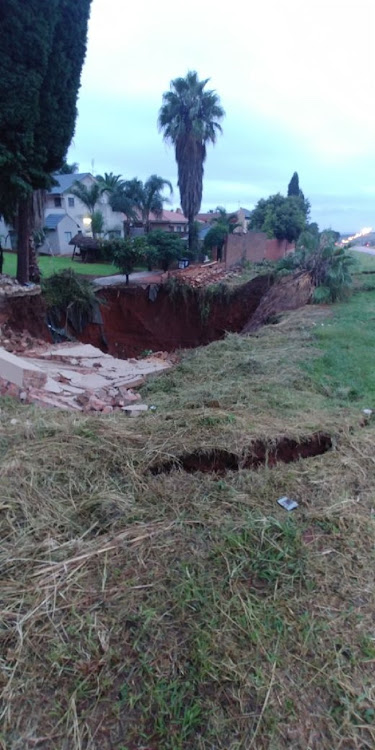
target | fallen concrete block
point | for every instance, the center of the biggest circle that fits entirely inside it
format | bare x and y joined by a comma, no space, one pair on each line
20,372
135,410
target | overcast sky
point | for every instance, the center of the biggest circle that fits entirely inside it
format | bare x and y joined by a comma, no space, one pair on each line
296,79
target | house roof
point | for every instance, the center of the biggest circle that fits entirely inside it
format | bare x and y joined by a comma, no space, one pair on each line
80,240
66,182
246,212
208,217
170,217
52,220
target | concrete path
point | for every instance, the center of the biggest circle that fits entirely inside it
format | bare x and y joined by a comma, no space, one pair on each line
138,277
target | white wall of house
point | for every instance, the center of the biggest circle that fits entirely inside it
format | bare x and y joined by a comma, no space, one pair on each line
57,240
69,204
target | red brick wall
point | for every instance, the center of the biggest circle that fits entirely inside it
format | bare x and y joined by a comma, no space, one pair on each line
254,247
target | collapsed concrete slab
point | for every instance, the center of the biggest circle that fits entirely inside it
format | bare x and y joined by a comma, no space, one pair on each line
77,377
20,372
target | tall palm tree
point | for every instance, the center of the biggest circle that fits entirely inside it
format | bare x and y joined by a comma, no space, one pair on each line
127,199
89,196
152,199
109,181
189,119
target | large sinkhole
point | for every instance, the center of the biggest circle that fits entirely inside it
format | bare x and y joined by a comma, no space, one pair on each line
260,453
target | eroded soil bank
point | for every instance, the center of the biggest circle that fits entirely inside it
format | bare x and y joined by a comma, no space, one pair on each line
136,319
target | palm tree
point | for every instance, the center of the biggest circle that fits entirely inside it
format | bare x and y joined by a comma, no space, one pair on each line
152,199
89,196
68,168
127,199
189,118
227,220
109,182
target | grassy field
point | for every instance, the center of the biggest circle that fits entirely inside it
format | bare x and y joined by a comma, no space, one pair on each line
50,264
185,610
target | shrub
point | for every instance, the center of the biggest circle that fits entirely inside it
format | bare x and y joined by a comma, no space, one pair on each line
68,295
329,266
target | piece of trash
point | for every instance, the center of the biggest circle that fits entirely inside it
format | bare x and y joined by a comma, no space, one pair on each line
367,412
152,408
287,503
14,421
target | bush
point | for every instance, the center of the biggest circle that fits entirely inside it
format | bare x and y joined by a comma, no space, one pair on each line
329,266
69,296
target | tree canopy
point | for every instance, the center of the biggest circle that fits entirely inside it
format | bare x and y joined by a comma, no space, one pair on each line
43,47
190,119
280,217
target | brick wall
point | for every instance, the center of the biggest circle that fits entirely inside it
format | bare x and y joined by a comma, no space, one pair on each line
254,247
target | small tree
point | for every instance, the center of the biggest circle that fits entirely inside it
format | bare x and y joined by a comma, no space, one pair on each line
166,246
97,223
216,237
127,253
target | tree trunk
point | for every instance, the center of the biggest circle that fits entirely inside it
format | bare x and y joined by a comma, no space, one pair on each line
23,235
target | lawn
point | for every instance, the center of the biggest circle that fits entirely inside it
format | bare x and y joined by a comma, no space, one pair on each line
164,608
50,264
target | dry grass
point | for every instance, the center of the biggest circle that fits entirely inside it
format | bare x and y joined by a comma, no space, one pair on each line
188,611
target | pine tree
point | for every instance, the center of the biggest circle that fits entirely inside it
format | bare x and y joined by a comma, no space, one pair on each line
43,46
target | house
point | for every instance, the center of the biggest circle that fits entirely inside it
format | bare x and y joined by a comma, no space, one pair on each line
241,217
168,221
65,214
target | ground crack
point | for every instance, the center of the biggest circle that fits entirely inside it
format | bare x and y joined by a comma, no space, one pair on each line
260,453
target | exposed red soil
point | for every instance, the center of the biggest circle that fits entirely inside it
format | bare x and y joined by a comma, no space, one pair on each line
25,314
289,293
185,318
260,453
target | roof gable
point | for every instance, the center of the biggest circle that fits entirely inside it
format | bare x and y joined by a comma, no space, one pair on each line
66,181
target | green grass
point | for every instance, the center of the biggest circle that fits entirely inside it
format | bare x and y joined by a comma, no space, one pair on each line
365,262
188,611
49,265
345,371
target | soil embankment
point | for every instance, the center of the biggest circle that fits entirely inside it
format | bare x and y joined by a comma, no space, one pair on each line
136,319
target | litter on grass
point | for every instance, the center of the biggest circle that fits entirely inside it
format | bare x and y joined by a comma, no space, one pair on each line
287,503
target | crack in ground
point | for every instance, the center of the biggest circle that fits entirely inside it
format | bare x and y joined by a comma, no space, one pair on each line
261,453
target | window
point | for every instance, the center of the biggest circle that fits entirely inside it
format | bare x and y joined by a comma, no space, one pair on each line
57,201
71,202
68,236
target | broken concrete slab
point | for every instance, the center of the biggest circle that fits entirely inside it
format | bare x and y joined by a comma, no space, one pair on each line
20,372
135,410
86,381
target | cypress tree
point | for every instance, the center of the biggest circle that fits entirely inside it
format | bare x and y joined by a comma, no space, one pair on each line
42,49
293,187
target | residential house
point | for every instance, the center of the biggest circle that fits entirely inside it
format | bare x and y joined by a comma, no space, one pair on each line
168,221
242,217
65,214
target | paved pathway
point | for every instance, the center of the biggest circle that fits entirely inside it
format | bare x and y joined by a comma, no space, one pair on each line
138,277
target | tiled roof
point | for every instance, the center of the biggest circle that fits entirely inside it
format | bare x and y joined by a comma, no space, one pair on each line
66,182
170,217
52,220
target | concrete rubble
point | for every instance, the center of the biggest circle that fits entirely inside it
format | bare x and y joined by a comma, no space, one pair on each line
77,377
10,287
